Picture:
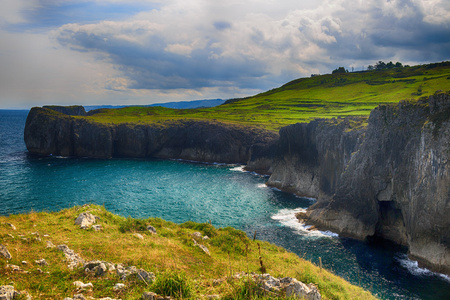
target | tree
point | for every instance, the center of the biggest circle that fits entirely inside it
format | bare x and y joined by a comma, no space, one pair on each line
380,65
339,70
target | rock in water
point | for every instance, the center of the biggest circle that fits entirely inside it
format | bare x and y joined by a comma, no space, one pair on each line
4,252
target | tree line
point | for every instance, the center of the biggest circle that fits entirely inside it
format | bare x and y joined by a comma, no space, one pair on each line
380,65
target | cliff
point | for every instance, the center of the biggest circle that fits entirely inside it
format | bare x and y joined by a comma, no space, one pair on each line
390,179
387,176
51,131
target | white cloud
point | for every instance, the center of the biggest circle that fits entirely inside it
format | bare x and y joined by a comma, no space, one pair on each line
194,48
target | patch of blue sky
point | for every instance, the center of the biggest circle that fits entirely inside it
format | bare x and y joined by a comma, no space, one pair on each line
57,14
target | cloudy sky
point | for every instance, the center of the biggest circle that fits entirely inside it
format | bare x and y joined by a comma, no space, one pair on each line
147,51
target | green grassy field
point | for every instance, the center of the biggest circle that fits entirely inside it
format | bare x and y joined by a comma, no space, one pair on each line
304,99
170,254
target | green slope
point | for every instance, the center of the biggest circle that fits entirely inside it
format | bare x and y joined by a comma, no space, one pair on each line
304,99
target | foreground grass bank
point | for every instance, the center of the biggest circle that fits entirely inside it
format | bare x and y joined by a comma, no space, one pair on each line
171,254
304,99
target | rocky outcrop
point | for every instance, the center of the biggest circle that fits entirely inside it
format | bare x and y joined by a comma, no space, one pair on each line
85,220
311,156
390,179
50,132
4,252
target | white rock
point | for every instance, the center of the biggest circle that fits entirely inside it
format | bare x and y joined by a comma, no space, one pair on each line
50,244
300,290
82,285
119,286
7,292
197,235
12,226
73,258
97,227
4,252
149,296
41,262
138,235
85,220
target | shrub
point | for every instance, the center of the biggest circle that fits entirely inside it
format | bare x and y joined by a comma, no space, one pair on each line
174,284
130,225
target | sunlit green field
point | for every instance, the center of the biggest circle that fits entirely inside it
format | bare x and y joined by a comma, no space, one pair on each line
305,99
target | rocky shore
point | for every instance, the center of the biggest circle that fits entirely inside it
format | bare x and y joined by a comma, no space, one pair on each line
387,177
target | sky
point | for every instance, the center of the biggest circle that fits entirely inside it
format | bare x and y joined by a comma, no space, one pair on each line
142,52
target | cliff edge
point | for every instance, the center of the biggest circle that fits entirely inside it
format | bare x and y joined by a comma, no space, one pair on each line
55,130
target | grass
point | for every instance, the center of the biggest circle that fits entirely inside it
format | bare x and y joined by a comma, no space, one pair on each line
304,99
182,269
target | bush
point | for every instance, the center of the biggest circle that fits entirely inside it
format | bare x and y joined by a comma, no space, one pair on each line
205,228
130,225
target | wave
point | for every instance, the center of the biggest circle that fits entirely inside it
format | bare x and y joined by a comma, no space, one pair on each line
287,218
413,267
238,169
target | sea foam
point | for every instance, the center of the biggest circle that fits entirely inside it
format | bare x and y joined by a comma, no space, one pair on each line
287,218
413,267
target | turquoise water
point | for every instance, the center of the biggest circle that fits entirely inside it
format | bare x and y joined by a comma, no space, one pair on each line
181,191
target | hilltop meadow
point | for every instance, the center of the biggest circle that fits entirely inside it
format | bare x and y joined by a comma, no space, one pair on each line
304,99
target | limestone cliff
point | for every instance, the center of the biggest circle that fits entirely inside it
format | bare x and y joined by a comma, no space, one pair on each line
390,179
397,183
49,131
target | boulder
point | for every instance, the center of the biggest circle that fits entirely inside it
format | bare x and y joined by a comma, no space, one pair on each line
300,290
85,220
7,292
4,252
127,272
151,229
97,267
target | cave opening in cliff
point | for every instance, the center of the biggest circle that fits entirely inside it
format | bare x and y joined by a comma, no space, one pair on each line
391,225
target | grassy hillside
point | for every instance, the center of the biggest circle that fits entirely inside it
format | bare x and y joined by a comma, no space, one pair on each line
304,99
170,254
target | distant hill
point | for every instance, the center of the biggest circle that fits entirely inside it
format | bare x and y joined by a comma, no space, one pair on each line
175,105
305,99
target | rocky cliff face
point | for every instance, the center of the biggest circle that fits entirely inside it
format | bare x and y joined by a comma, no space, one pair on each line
48,131
390,179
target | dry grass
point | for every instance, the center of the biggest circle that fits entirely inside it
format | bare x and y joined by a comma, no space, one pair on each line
171,251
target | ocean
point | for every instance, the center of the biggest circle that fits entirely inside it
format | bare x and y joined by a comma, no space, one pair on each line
180,191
